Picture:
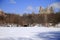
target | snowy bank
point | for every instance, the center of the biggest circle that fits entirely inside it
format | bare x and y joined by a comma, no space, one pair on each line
24,32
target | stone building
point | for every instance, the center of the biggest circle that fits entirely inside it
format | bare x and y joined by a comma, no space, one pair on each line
46,10
2,13
2,17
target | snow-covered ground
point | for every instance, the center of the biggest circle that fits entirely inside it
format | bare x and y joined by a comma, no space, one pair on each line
29,33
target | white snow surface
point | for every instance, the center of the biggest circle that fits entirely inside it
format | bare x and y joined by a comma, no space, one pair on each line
24,32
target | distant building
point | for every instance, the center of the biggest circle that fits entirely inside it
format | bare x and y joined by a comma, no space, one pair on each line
46,10
2,13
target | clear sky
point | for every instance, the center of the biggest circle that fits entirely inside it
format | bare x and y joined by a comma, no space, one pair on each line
22,6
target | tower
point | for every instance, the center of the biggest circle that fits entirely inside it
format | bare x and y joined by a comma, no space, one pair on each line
41,10
2,13
51,10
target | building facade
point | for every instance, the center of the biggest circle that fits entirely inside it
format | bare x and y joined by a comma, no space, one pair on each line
46,10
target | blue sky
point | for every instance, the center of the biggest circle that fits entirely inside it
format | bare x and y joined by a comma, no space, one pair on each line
22,6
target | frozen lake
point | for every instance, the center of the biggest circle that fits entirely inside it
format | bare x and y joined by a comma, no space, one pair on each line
29,33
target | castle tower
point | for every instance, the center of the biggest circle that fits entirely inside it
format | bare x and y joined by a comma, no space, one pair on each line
41,10
51,10
1,12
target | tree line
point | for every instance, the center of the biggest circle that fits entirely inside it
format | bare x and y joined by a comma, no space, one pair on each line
27,19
